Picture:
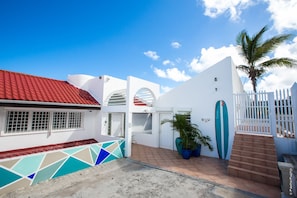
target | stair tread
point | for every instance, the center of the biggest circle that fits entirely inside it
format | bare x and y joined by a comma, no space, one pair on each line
245,143
246,151
254,165
253,158
252,147
255,172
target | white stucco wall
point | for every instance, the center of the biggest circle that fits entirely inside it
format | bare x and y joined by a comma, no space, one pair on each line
19,141
135,84
201,93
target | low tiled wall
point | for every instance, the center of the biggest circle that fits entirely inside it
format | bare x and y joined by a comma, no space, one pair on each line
28,170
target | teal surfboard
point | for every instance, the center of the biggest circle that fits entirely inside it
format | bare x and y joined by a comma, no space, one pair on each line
222,129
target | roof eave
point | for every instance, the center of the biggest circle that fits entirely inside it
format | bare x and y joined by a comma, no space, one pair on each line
23,103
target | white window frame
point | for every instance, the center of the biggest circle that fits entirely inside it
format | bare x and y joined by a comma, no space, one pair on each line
50,121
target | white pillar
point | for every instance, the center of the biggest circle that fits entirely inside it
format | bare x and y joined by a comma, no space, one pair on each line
128,135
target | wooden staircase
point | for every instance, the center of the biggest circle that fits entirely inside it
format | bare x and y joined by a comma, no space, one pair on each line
254,158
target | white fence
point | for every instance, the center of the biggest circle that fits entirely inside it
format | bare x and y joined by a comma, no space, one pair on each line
267,113
285,126
252,113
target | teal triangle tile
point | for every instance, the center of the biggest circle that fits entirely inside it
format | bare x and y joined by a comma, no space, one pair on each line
7,177
96,148
107,144
28,165
117,152
122,146
48,172
102,155
70,166
94,156
71,151
109,158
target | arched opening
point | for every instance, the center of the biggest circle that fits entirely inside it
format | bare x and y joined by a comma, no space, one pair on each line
144,97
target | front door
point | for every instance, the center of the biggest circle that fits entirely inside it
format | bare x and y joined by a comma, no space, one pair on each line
117,124
166,137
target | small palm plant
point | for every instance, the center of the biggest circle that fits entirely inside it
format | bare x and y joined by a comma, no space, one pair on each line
189,133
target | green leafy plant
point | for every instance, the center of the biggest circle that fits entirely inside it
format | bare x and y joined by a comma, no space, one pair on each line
189,133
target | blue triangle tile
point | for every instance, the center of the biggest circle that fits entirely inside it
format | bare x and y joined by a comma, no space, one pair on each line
102,155
31,176
122,146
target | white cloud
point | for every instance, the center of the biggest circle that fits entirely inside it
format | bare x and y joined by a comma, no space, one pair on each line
276,78
214,8
160,73
173,74
287,50
168,62
212,55
279,78
283,13
175,45
151,54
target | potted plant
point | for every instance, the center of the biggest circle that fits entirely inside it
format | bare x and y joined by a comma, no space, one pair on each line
190,136
200,139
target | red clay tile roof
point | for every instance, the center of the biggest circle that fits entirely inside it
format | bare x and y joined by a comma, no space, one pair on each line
24,87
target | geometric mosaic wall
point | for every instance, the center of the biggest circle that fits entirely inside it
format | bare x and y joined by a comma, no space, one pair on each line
31,169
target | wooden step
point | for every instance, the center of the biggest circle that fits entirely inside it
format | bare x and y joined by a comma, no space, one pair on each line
254,157
260,144
271,169
257,155
258,161
254,176
269,151
254,138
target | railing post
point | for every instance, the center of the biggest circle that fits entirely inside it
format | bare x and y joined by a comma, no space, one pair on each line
294,106
272,117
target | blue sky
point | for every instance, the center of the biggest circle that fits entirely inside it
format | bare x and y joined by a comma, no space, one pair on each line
163,41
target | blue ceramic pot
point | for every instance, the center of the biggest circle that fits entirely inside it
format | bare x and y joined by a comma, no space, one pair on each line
186,153
196,152
178,144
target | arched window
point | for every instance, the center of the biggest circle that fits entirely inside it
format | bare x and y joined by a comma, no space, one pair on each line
117,98
144,97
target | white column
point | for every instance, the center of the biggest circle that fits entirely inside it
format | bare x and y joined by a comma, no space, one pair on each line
128,135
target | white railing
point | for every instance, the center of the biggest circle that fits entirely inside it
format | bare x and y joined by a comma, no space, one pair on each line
252,113
285,126
266,113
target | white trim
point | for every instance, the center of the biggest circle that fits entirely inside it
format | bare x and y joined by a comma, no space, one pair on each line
46,103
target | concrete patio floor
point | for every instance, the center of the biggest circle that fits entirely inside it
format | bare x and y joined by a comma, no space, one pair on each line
211,169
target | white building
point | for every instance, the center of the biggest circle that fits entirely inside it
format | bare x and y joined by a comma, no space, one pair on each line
130,109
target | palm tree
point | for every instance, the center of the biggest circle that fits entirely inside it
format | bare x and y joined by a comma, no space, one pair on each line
254,50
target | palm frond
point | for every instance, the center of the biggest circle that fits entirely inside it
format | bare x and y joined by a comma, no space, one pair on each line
270,44
244,68
277,62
